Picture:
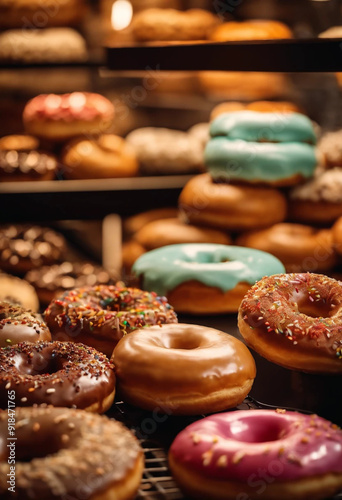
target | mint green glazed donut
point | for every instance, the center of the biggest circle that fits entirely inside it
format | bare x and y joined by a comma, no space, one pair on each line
219,266
269,148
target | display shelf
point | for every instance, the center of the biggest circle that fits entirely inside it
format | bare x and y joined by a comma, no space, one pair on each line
309,55
86,199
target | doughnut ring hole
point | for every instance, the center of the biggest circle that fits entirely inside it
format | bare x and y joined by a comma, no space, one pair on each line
45,362
245,430
315,309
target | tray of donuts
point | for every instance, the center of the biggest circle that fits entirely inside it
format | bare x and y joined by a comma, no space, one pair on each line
98,342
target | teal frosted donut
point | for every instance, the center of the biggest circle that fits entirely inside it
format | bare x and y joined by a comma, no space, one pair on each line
264,148
204,278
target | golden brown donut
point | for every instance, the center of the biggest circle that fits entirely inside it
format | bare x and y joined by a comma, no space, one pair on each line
294,320
260,106
131,251
60,117
244,85
108,156
172,231
250,30
64,453
18,292
57,373
183,369
32,14
18,142
331,150
231,207
132,224
20,325
337,235
298,247
171,25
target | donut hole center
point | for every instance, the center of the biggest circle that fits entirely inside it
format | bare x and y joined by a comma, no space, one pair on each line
184,343
42,363
259,431
315,308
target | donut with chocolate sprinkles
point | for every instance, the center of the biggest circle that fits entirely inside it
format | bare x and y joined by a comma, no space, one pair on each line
295,320
65,454
20,325
57,373
101,315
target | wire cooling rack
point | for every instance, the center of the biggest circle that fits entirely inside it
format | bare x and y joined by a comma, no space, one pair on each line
155,438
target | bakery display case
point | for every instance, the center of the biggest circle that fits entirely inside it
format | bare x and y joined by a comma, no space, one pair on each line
165,93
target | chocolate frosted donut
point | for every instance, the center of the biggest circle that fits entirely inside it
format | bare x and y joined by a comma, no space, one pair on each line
18,325
57,373
26,166
69,454
101,315
52,281
24,247
18,292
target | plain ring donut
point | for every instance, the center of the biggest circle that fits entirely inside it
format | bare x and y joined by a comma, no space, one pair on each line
295,320
183,369
232,455
63,453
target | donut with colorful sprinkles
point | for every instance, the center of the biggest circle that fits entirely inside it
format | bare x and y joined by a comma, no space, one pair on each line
101,315
20,325
57,373
295,320
258,454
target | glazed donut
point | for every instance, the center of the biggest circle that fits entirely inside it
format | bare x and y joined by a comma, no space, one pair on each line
60,117
25,166
298,247
24,247
162,151
19,143
106,157
64,453
230,207
268,148
294,320
337,235
260,106
24,14
57,373
132,224
52,281
250,30
100,315
318,201
173,25
204,278
165,232
51,45
19,325
18,292
258,454
183,369
330,148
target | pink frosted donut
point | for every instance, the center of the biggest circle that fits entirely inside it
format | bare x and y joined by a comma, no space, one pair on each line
256,454
59,117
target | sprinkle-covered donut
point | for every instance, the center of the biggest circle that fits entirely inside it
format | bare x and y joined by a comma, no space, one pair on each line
295,320
57,373
258,454
271,148
19,325
204,278
183,369
100,315
59,117
67,454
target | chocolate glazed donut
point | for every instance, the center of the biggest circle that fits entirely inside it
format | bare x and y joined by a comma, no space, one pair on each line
57,373
19,325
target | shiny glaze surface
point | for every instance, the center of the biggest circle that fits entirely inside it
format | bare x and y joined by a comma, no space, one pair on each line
220,266
256,161
19,325
299,311
253,126
182,360
57,373
63,453
233,446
